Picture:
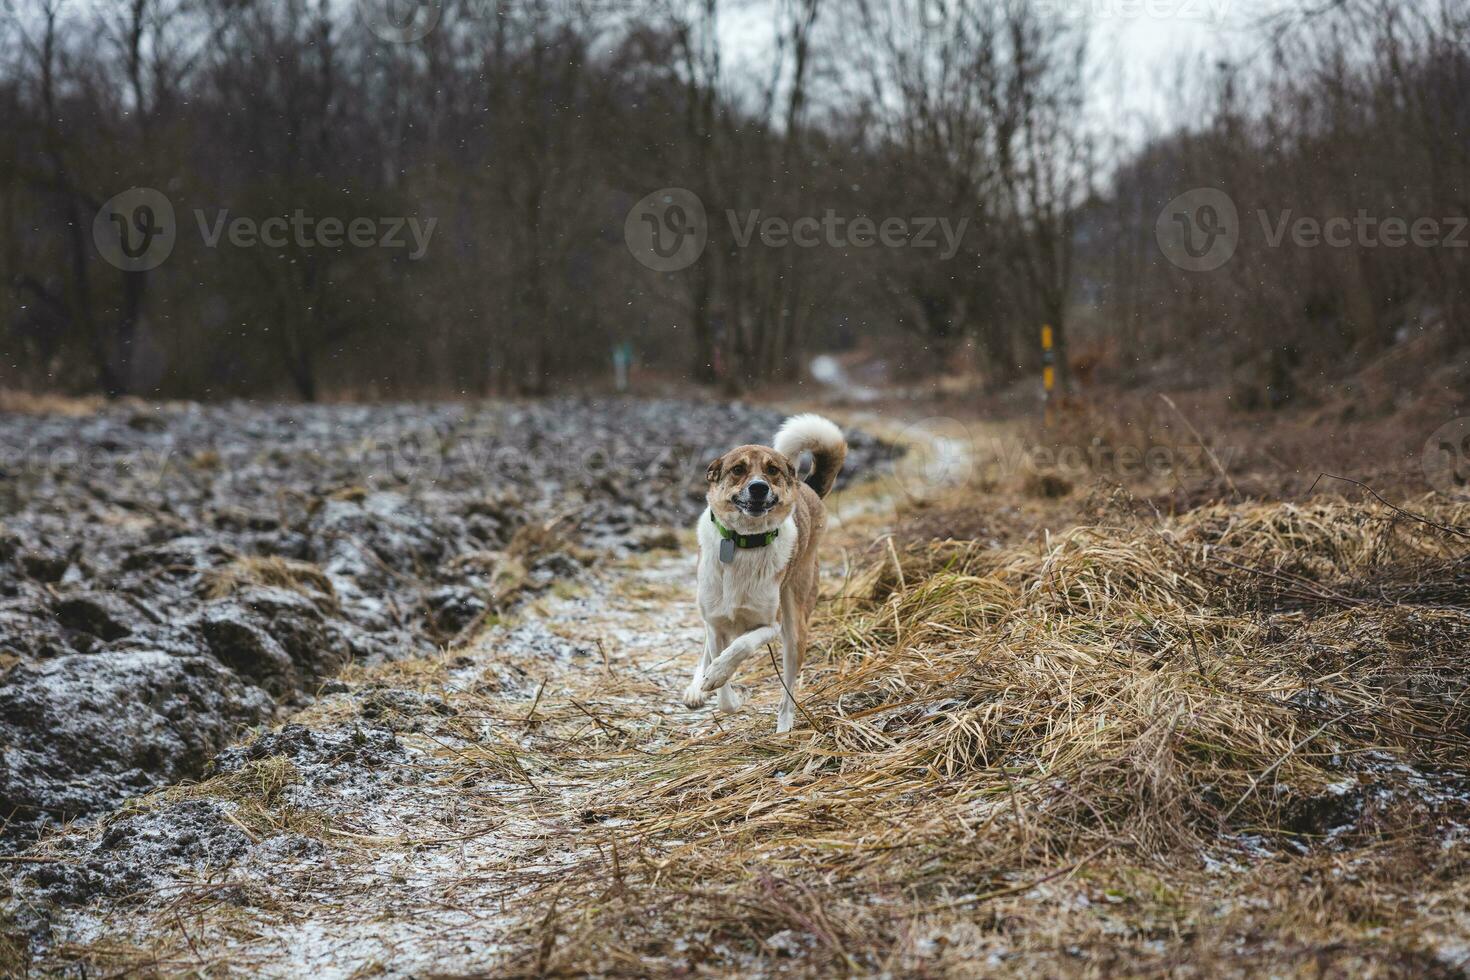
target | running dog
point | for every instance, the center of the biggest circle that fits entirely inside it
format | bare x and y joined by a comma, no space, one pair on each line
758,556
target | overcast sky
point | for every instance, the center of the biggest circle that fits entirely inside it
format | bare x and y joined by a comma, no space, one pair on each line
1139,47
1142,49
1140,55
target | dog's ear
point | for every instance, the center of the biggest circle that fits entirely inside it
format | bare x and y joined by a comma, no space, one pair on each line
715,468
788,466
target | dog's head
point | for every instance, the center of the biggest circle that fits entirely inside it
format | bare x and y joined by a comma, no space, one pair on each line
751,488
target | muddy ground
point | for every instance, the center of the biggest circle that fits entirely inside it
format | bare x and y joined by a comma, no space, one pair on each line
171,575
1052,724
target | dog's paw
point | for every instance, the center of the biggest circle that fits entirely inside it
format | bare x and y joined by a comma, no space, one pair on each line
717,676
730,699
694,697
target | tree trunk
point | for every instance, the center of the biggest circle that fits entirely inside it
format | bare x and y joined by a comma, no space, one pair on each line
702,325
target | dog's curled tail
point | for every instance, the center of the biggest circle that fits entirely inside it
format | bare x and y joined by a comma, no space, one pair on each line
819,436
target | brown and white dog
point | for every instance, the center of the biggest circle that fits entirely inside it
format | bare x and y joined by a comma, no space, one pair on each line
758,556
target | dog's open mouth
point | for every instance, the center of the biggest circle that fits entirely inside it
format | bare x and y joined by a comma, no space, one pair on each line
756,509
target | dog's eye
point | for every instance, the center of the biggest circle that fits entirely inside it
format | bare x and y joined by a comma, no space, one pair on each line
738,469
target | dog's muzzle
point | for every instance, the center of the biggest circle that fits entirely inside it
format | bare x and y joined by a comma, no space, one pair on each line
756,498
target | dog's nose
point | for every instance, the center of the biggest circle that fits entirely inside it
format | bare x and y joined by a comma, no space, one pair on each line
758,489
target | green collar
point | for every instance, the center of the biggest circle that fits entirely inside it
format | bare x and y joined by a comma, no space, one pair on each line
744,540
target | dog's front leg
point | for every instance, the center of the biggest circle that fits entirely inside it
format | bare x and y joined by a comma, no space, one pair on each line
730,699
791,655
741,649
695,693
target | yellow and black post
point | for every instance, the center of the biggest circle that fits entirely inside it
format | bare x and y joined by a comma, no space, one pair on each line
1048,372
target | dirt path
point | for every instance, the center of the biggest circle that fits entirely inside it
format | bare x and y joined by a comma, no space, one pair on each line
621,645
1036,747
232,558
407,820
399,824
409,860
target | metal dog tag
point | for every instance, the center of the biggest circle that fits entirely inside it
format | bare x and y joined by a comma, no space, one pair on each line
727,551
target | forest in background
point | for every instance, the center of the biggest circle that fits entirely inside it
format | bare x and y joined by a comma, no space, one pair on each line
526,130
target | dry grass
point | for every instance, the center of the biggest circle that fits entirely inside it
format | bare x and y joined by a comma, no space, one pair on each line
32,403
254,790
530,543
1228,743
1191,746
286,573
15,958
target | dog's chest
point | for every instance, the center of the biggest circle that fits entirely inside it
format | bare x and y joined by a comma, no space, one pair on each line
739,591
746,590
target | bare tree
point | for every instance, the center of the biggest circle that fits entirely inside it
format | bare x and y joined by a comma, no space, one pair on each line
1044,161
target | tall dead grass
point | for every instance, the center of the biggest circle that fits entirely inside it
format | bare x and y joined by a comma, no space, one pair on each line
1005,739
1229,743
